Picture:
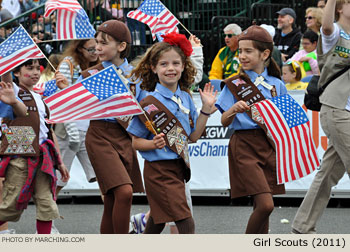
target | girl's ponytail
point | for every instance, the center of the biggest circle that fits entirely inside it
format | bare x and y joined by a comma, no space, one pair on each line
272,68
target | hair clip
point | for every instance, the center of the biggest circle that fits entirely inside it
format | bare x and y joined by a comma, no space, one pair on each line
179,40
294,64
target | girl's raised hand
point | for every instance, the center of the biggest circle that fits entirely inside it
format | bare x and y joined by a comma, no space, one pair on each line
208,96
195,42
7,94
159,141
61,80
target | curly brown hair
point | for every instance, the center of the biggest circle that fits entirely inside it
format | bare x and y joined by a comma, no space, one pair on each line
143,70
72,50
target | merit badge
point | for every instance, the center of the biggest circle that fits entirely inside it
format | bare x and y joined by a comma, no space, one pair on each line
238,82
20,140
176,137
256,115
124,118
150,108
4,128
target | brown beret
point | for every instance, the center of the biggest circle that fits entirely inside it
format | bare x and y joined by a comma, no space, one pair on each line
256,33
117,29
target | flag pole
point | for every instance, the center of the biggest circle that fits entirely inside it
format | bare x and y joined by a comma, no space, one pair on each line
180,22
39,49
138,104
234,113
177,20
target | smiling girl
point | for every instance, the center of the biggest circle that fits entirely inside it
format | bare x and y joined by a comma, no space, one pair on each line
166,73
252,158
29,156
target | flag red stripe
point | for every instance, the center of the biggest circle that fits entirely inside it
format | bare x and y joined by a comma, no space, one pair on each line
288,139
302,153
18,54
63,92
308,157
102,110
89,106
280,163
312,147
13,63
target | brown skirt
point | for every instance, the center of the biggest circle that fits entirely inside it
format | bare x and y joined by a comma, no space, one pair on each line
252,164
165,190
111,154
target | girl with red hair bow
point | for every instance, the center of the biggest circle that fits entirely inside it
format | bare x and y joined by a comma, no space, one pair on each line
166,72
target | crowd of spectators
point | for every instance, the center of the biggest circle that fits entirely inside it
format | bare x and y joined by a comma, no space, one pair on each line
290,43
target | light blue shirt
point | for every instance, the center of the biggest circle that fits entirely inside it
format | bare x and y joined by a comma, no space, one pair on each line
164,95
226,100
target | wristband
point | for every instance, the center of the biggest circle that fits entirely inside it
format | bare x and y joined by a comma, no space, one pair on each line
206,114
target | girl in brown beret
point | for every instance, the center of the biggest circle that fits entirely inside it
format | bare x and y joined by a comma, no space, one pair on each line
252,158
108,144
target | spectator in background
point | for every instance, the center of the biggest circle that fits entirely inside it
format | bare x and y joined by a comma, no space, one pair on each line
96,8
313,19
321,3
291,74
39,35
5,31
226,62
13,6
308,56
276,54
27,5
287,37
5,14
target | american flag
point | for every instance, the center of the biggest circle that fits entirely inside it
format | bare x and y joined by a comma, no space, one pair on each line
50,88
16,49
156,16
39,88
46,88
52,5
102,95
289,127
73,25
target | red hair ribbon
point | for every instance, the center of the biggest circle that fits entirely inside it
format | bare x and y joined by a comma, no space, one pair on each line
179,40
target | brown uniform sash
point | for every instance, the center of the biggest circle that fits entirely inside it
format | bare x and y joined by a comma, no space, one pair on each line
244,89
165,122
124,120
21,135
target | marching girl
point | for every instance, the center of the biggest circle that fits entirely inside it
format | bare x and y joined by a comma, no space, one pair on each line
107,143
252,158
166,73
29,164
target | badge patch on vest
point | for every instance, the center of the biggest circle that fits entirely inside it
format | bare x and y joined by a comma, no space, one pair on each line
124,118
150,108
258,118
176,137
20,139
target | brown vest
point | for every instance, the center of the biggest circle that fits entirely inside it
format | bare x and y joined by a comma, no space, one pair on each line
125,120
21,135
244,89
163,121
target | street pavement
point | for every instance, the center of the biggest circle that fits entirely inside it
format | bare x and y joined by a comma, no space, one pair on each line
82,215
